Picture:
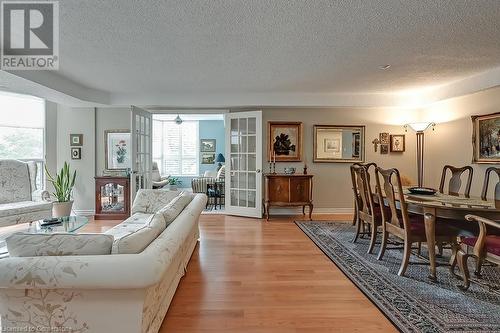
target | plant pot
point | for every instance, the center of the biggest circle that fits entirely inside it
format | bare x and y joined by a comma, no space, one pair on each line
172,187
61,209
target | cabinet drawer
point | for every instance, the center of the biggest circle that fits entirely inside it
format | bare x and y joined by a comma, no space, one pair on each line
299,189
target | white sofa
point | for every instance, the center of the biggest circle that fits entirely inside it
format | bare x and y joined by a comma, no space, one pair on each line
103,293
20,201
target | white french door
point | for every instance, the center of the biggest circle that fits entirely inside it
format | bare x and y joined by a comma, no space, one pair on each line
141,129
244,163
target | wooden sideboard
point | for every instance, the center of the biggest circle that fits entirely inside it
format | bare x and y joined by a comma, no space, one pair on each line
288,191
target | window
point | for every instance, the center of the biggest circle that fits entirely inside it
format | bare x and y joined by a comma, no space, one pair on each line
22,123
175,147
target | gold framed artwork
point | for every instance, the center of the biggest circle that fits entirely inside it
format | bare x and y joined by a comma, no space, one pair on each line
397,143
338,144
284,141
486,138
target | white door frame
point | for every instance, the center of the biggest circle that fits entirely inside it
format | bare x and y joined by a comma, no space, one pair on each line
231,190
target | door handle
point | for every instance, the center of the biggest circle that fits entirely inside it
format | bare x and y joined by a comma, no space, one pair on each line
258,170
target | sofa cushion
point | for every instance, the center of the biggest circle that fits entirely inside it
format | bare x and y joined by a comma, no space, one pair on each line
138,218
151,201
14,181
175,207
16,208
22,244
135,237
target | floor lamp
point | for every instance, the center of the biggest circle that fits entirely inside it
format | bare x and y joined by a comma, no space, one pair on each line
420,129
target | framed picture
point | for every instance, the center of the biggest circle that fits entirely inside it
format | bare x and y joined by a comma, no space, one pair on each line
284,141
334,144
208,158
207,145
398,143
384,149
117,149
486,138
384,138
76,139
76,153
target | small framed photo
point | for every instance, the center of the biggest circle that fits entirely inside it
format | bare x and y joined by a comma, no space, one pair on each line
207,145
76,153
76,139
384,138
384,149
208,158
398,143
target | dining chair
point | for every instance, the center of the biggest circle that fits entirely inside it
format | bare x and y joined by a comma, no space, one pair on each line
455,182
399,223
357,197
368,213
496,192
486,247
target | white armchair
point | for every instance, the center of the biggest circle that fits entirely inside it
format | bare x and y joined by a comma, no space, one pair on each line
20,200
157,179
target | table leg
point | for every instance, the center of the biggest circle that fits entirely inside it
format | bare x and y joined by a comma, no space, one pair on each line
430,234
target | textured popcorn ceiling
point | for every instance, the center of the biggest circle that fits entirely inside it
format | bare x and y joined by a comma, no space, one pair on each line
208,47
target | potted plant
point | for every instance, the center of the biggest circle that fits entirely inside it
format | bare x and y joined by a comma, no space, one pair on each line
63,184
173,182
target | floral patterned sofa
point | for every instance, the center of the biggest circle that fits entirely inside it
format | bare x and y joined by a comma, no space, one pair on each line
104,293
20,201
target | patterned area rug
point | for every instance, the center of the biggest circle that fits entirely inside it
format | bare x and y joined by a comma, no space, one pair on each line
413,303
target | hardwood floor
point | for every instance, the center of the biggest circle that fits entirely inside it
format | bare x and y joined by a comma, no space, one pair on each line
248,275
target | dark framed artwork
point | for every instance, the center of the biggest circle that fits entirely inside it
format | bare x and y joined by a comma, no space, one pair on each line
398,143
117,149
486,138
207,145
208,158
384,138
284,141
76,139
76,153
384,149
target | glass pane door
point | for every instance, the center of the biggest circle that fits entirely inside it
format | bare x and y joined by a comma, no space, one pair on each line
244,148
141,150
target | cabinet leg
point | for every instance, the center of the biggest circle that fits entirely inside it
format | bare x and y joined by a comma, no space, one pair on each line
266,211
303,210
310,211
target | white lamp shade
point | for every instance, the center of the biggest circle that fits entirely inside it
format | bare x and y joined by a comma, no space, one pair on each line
420,127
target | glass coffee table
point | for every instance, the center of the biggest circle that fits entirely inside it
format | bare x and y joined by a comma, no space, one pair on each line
67,224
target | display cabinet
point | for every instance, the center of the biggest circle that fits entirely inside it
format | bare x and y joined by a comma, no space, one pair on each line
112,198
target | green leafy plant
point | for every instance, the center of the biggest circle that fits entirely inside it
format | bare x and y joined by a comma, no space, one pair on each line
63,183
174,180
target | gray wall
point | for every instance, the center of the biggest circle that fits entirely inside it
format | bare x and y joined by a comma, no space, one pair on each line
451,141
107,119
78,121
332,184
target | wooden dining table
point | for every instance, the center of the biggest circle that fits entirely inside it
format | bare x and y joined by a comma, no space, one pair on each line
449,207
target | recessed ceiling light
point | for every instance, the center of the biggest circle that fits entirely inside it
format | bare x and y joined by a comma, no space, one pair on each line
384,67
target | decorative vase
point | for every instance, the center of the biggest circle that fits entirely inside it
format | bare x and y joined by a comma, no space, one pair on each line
61,209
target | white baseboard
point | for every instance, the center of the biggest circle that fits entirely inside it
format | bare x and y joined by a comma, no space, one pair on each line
84,212
295,211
